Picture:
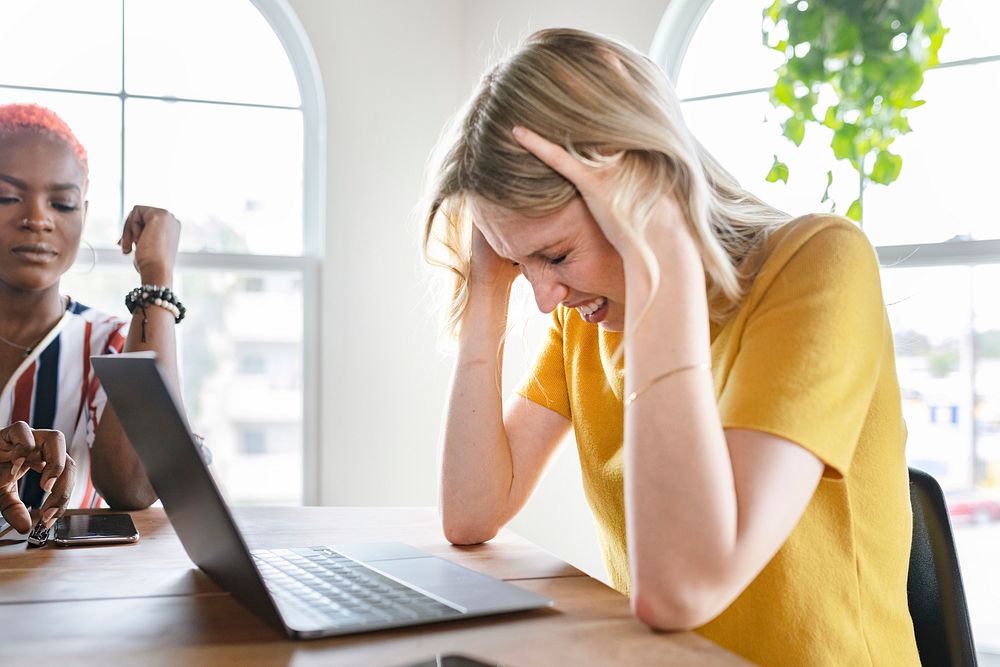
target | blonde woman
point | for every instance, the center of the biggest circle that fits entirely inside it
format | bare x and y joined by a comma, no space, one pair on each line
727,370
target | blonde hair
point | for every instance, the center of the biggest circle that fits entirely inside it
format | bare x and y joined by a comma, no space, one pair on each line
601,101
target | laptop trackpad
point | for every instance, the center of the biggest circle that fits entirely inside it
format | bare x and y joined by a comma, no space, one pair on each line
461,586
366,552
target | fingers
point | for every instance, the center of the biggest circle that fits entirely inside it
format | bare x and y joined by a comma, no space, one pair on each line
555,156
595,178
62,487
154,235
17,446
13,510
132,229
137,221
58,472
52,446
487,267
37,449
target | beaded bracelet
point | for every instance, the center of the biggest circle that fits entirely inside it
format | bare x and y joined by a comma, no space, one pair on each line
156,295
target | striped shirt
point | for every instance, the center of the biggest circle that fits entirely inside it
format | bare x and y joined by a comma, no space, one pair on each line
55,387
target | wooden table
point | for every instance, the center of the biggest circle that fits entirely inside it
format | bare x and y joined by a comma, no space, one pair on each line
147,604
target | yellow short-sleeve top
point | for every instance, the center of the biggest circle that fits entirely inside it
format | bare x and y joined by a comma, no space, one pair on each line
808,357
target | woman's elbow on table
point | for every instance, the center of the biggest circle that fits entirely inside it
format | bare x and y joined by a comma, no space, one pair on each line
131,502
126,497
462,532
675,607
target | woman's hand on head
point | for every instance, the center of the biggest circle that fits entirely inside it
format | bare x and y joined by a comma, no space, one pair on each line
596,185
154,233
488,269
22,449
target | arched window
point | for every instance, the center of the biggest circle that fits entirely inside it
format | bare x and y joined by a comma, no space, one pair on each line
214,111
936,230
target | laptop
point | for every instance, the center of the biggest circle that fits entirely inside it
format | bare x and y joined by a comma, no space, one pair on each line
313,591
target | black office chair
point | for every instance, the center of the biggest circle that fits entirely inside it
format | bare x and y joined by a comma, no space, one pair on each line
934,586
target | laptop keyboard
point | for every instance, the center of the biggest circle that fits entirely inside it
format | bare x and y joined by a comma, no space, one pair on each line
341,592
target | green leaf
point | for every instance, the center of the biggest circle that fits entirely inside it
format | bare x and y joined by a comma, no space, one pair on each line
805,26
887,167
807,102
774,10
854,212
811,67
779,171
784,93
831,120
794,128
937,38
901,124
843,142
826,193
841,34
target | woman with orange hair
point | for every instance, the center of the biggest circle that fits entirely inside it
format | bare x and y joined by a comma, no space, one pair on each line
59,424
727,369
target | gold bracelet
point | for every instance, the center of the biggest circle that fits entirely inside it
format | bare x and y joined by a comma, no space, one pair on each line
635,394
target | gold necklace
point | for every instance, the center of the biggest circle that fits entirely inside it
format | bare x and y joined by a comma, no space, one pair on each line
27,350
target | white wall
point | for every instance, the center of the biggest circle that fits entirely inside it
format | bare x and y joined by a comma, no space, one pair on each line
394,72
391,74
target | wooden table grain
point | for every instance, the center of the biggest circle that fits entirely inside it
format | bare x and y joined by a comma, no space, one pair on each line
147,603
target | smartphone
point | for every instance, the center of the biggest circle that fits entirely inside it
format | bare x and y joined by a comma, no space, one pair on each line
80,529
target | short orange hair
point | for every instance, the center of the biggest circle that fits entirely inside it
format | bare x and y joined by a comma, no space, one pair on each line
34,118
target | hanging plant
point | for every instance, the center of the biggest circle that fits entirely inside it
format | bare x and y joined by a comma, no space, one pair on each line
853,66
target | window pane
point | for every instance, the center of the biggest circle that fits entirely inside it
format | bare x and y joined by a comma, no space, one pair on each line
102,287
248,374
62,44
947,332
939,192
939,156
220,50
947,163
931,313
734,131
978,531
987,354
727,53
251,417
232,175
96,122
972,28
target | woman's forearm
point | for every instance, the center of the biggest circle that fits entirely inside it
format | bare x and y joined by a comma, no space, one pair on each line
680,498
115,469
476,469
